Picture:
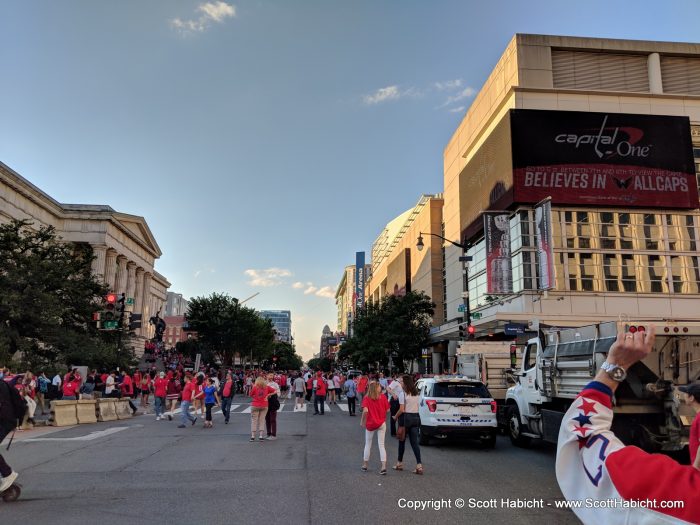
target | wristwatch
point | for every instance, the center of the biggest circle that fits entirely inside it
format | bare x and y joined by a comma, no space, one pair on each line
615,372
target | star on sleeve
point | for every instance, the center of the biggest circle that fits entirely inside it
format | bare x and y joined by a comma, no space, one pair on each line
582,420
587,406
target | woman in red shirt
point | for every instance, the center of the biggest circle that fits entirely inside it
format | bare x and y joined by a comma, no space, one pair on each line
374,409
145,387
260,393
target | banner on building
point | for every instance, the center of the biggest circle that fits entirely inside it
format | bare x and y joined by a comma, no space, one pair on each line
499,267
603,159
545,252
359,280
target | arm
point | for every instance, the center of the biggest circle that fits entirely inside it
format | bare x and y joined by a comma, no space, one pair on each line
696,463
401,411
363,419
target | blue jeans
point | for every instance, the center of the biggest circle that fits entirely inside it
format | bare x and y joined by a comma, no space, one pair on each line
319,401
160,405
185,414
226,407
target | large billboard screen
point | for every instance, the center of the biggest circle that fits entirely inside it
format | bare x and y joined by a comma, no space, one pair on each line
604,159
499,269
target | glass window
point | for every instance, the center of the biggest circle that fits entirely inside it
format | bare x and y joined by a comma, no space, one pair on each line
656,274
587,272
611,270
629,275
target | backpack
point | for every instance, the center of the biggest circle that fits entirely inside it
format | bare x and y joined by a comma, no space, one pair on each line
12,406
273,403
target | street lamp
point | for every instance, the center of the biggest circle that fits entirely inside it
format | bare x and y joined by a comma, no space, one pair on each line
464,259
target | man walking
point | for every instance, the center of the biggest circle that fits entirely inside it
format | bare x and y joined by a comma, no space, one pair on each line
351,395
396,398
227,391
299,392
319,394
185,405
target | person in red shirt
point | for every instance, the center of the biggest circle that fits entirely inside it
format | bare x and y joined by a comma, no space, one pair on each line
227,391
137,383
692,398
362,388
187,394
374,409
70,388
260,393
160,390
320,388
126,387
309,388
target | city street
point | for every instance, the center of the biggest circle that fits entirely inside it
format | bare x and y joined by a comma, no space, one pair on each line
146,471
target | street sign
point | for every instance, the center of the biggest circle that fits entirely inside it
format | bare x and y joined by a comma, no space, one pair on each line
110,325
129,300
514,329
476,315
461,308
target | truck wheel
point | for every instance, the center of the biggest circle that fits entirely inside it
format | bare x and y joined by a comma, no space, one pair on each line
515,428
489,442
423,438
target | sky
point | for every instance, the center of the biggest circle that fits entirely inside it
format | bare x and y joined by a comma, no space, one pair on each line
265,142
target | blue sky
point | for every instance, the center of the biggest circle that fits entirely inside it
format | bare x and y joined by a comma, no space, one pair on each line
265,141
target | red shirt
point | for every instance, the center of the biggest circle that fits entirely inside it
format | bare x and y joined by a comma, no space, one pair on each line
320,386
227,388
70,388
187,392
694,442
259,396
376,411
362,385
127,385
160,387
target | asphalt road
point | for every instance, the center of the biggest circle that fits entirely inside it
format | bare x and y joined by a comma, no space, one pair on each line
146,471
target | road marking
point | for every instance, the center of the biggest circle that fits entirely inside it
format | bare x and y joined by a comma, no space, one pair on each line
300,409
92,435
342,407
246,411
281,407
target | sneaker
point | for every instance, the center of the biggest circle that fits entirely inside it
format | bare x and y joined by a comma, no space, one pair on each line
157,418
170,418
252,438
271,438
8,481
261,438
181,426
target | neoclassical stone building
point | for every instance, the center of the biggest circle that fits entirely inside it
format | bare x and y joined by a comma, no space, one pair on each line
124,246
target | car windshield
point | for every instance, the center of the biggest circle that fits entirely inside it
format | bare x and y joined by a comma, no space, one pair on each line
459,390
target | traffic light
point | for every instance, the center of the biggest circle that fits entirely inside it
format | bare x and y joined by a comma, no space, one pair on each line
106,319
471,330
120,308
462,331
134,322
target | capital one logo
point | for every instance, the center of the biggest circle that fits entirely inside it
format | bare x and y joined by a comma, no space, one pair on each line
609,142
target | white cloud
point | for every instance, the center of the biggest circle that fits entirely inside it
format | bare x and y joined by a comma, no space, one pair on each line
310,290
197,273
467,92
448,85
458,109
267,277
326,291
388,93
298,285
210,12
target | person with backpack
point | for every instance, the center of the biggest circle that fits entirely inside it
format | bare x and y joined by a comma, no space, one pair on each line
12,409
226,392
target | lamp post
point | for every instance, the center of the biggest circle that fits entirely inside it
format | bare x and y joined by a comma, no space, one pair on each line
465,268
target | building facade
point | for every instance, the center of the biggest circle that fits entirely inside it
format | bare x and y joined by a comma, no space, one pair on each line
601,130
282,322
175,330
399,266
124,247
175,305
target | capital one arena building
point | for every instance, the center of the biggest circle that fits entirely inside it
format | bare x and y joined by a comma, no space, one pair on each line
573,179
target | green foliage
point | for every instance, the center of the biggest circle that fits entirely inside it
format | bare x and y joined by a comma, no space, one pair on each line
226,328
287,358
320,363
47,296
398,327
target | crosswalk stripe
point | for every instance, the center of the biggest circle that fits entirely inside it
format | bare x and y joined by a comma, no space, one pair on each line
246,411
281,407
300,409
343,407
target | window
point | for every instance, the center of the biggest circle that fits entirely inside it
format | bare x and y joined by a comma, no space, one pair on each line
457,390
529,359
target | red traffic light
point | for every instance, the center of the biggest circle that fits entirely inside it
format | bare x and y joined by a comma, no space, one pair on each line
471,330
111,298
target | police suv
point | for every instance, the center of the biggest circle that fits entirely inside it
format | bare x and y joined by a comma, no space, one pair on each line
453,405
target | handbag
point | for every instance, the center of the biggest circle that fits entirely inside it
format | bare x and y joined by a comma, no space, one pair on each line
401,433
273,403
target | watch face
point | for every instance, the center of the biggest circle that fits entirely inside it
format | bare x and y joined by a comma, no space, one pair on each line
618,373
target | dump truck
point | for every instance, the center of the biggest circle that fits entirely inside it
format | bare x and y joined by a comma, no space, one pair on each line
491,362
648,412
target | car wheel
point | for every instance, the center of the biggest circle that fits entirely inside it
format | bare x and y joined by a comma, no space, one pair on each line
423,438
515,428
489,442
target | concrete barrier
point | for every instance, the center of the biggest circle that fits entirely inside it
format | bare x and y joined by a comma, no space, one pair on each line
64,413
87,411
123,409
26,425
106,410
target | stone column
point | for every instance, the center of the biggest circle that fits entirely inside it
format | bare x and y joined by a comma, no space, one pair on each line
654,68
138,290
120,283
130,279
98,263
146,304
111,269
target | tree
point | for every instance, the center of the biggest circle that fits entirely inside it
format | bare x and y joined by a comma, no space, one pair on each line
47,296
287,358
320,363
394,330
226,328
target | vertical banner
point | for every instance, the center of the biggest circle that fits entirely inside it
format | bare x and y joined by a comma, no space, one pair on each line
545,252
499,267
359,280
